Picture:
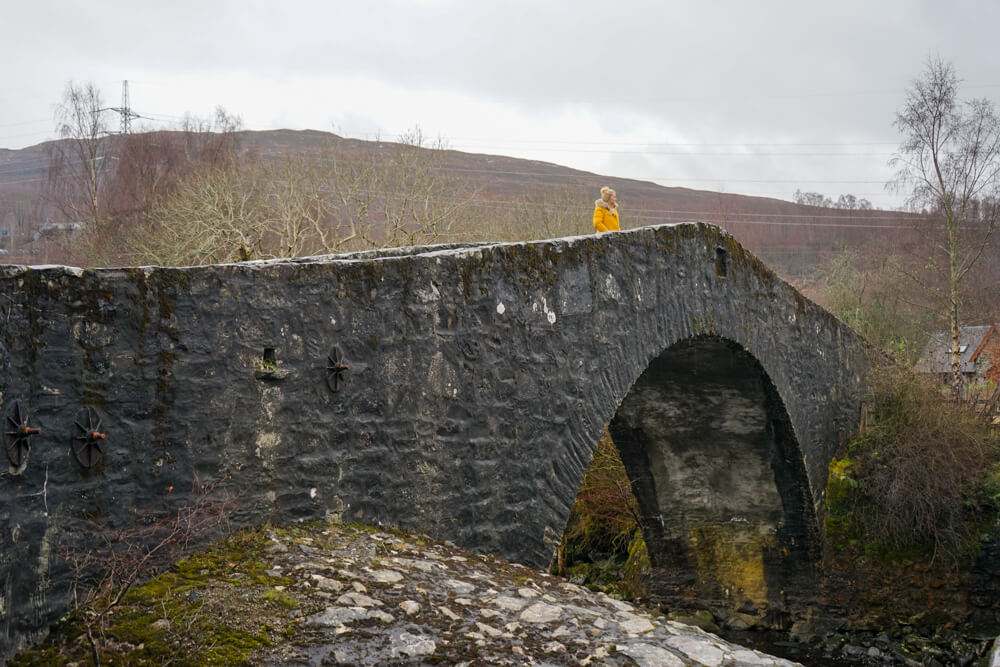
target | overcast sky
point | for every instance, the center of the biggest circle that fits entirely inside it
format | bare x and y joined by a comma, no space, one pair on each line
749,97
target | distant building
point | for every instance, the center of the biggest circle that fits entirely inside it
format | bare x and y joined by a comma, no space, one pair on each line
50,229
979,348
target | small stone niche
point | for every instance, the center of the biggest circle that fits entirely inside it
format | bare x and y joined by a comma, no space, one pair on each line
721,262
268,370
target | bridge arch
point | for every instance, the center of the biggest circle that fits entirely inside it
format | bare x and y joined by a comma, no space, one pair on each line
727,513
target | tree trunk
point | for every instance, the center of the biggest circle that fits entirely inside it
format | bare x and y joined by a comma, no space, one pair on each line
956,349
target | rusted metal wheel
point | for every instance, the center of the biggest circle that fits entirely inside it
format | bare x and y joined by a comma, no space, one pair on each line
88,440
17,433
335,369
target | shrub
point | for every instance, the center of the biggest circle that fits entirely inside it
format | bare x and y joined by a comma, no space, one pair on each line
604,518
920,471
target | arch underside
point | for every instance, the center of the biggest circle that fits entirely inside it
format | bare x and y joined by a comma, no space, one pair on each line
719,479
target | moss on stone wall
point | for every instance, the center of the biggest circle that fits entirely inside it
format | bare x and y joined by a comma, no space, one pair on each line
733,555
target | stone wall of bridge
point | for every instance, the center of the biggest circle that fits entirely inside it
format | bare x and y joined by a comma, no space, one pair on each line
455,391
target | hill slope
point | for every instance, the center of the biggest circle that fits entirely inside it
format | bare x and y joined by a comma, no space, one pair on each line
789,236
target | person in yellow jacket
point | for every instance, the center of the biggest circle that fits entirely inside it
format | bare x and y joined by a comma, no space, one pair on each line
606,212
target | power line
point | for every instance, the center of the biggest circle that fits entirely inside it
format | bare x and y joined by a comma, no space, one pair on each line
698,154
674,215
591,176
715,179
661,144
26,122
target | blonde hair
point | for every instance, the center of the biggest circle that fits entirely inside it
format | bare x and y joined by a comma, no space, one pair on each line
606,193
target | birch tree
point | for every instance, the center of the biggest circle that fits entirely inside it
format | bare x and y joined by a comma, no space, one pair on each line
949,165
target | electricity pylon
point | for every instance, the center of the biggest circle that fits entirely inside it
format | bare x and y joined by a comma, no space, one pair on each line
125,111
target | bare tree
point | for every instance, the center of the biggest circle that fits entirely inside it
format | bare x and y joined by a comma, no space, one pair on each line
812,199
848,201
216,214
853,203
557,211
298,205
949,163
398,194
211,141
81,163
151,164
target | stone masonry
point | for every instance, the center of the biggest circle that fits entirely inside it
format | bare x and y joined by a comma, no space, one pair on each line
454,391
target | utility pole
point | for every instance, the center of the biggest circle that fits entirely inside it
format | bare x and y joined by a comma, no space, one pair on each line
125,110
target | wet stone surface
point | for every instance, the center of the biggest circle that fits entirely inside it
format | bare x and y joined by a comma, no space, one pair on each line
369,597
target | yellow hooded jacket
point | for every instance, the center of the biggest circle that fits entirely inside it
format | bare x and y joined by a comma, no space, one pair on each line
605,217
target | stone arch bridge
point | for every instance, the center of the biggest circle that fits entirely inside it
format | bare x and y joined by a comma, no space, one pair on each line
459,391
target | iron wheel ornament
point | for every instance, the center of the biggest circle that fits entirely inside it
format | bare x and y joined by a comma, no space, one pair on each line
336,369
17,433
88,447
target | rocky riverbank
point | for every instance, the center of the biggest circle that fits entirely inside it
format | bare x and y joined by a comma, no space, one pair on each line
319,594
904,635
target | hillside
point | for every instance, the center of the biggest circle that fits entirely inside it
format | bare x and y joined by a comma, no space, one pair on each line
789,236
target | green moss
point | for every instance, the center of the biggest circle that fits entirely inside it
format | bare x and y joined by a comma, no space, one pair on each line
189,636
840,487
282,598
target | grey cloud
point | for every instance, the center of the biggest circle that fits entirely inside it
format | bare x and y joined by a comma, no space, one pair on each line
709,71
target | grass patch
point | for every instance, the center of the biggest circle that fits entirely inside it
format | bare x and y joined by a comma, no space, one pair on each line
281,598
